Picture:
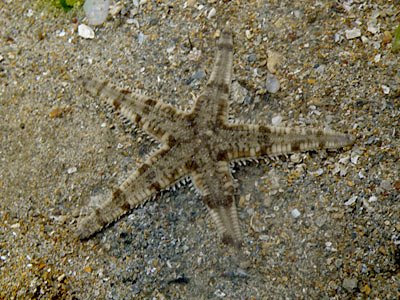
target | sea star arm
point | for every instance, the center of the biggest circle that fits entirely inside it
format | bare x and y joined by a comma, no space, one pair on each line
215,184
159,171
249,140
154,116
212,102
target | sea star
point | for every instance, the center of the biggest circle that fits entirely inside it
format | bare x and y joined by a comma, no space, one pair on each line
199,143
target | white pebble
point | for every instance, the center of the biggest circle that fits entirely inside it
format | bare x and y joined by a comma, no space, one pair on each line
116,8
351,201
277,120
141,38
295,213
85,31
385,89
272,83
372,199
72,170
354,158
364,39
353,33
212,13
96,11
372,27
318,172
248,33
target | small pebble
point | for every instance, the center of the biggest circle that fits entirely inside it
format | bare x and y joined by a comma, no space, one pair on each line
352,200
116,8
295,213
272,84
141,38
16,225
385,89
276,120
212,13
248,33
72,170
353,33
349,284
61,277
354,158
85,31
29,13
372,27
274,60
318,172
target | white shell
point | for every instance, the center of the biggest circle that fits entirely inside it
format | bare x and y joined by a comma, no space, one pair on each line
85,31
96,11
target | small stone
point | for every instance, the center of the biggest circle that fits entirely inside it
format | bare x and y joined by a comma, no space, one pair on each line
116,8
15,226
238,92
372,199
386,185
61,277
274,60
372,27
85,31
354,157
276,120
87,269
385,89
320,221
56,113
295,213
141,38
318,172
349,284
72,170
353,33
248,33
272,83
387,37
366,289
29,13
364,39
212,13
200,74
337,38
351,201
